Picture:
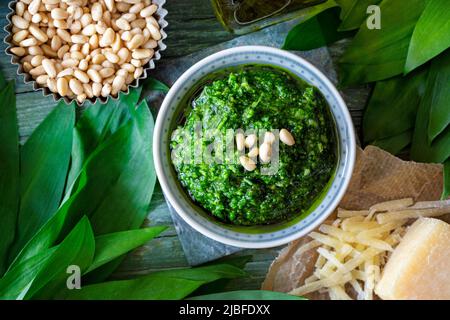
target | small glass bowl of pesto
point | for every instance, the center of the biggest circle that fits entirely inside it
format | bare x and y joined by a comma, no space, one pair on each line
254,147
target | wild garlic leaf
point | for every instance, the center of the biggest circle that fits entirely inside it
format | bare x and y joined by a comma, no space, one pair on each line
247,295
316,32
45,159
354,13
440,108
113,245
439,150
155,85
96,124
431,35
395,144
392,107
76,249
9,171
166,285
16,281
380,54
133,190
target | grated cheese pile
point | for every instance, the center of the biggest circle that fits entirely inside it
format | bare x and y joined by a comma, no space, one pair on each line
355,247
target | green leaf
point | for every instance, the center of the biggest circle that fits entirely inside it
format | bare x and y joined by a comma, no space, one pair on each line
77,249
17,280
97,123
354,13
446,191
440,109
439,150
316,32
431,35
3,82
133,190
156,85
380,54
168,285
113,245
9,171
44,160
395,144
392,108
248,295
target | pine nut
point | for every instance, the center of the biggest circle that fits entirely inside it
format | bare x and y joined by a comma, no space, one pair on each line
38,33
77,55
51,84
117,84
138,72
79,39
142,53
88,90
89,30
240,141
81,98
136,42
49,67
124,55
126,36
136,8
265,152
64,35
154,31
27,67
62,24
98,58
84,64
42,79
110,4
122,24
38,71
150,44
149,11
86,20
18,51
286,137
34,6
48,51
36,18
269,137
81,75
250,141
97,11
21,35
29,42
35,50
111,57
69,63
20,22
94,75
62,86
37,60
65,73
96,89
117,44
59,14
106,90
106,72
247,163
253,152
56,43
76,86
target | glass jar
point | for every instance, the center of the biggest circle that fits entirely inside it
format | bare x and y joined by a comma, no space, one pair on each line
244,16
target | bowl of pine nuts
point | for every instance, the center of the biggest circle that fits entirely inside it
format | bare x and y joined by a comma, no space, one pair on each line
85,50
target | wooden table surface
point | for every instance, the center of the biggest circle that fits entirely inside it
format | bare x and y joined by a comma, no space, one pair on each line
192,27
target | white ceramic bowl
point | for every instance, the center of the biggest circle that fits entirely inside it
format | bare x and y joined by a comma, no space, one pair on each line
258,236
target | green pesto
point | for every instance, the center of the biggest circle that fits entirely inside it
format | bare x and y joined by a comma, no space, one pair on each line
258,97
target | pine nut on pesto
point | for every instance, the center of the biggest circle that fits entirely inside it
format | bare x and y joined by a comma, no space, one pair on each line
257,97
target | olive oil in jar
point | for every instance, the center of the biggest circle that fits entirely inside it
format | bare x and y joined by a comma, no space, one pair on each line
244,16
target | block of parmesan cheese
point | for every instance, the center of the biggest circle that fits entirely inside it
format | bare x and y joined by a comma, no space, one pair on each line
418,269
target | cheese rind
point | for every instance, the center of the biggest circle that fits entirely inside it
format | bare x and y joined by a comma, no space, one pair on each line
418,267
